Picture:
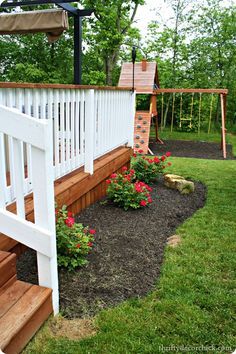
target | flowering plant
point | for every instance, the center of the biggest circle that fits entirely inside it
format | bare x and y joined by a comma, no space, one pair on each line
74,241
149,169
126,194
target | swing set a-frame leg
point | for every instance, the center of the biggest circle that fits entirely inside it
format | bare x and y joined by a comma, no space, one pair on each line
158,140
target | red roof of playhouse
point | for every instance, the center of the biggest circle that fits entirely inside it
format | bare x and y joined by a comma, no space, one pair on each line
145,76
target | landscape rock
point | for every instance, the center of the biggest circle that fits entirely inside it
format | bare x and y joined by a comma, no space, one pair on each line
179,183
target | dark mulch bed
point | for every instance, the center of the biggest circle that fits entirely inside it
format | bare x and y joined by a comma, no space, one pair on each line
197,149
128,254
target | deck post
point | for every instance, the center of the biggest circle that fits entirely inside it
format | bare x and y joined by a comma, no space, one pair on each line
89,131
44,211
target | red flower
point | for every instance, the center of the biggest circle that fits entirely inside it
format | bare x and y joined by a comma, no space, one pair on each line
70,221
127,178
108,181
131,171
156,160
163,158
149,200
114,175
169,164
124,168
143,203
92,231
78,245
89,244
138,189
134,155
168,153
70,214
140,151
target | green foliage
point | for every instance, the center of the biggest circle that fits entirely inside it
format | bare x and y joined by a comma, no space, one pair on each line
74,241
27,73
108,30
142,102
198,50
126,194
149,169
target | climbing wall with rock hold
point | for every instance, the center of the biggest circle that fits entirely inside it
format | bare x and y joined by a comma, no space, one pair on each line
142,131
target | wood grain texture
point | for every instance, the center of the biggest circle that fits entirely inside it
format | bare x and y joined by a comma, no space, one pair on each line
20,323
60,86
201,90
142,131
144,81
11,295
23,307
7,268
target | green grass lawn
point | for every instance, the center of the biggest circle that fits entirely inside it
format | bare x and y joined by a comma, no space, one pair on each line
194,302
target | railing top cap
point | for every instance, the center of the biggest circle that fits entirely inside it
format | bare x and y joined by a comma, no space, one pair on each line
61,86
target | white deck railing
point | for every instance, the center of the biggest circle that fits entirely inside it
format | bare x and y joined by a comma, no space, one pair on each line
87,123
20,129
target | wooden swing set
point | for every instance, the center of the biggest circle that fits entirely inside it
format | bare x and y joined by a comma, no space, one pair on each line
144,77
189,119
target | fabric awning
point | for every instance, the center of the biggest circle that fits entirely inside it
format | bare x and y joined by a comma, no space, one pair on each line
53,22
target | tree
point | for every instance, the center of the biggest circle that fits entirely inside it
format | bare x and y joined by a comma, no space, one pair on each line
212,51
107,31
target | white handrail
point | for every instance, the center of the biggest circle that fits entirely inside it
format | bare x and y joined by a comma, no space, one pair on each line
22,129
87,123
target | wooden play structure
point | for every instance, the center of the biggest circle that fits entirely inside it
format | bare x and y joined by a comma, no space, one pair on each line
146,81
144,77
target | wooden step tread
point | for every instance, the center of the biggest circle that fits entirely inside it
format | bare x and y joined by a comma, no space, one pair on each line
7,243
3,255
21,321
7,268
11,295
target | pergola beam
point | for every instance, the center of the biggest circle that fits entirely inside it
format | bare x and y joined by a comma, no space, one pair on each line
71,9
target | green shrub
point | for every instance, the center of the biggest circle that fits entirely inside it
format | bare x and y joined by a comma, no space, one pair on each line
74,241
148,170
122,191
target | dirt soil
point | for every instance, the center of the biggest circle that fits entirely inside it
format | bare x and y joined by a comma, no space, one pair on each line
197,149
128,253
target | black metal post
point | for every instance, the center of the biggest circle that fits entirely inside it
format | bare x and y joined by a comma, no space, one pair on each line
133,61
77,50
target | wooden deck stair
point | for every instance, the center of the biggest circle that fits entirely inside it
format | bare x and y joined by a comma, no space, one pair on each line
77,190
23,307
